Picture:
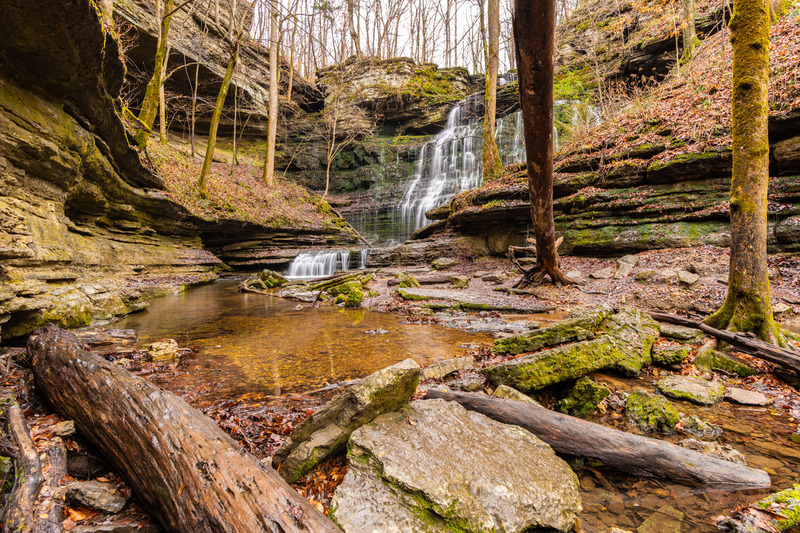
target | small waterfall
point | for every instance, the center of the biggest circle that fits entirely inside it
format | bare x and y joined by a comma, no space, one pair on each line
309,265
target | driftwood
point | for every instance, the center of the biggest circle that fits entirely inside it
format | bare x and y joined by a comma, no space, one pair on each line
744,342
118,337
573,436
49,508
434,279
191,474
19,510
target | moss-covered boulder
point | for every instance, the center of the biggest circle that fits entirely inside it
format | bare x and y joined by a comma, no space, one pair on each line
408,281
459,282
709,360
787,518
697,427
345,288
669,355
624,346
650,412
354,298
325,432
692,389
580,325
272,279
583,398
443,263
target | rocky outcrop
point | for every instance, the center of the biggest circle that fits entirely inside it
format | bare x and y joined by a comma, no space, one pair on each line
431,467
325,432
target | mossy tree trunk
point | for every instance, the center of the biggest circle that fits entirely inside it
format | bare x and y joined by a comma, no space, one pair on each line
690,40
212,131
491,157
149,109
534,37
748,305
272,123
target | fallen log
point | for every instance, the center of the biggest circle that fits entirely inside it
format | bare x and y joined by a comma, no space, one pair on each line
631,453
118,337
191,474
49,508
19,510
744,342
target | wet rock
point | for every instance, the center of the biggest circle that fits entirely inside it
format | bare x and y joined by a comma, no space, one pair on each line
603,273
459,282
580,325
650,412
354,298
665,519
708,360
687,279
669,355
272,279
450,366
64,429
697,427
625,346
679,333
715,449
583,398
504,391
746,397
325,432
163,350
443,263
95,495
376,332
692,389
431,467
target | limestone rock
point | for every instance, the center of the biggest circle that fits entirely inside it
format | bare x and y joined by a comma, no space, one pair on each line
645,275
670,355
625,346
472,382
272,279
697,427
651,412
679,333
687,279
665,276
665,519
722,451
163,350
504,391
459,282
709,360
325,432
443,368
96,495
64,429
746,397
431,467
603,273
693,389
443,263
625,265
583,398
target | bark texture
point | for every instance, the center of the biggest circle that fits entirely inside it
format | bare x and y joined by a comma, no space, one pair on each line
625,451
19,516
748,305
534,36
192,476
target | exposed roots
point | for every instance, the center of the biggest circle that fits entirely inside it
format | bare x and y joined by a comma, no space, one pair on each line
537,274
739,316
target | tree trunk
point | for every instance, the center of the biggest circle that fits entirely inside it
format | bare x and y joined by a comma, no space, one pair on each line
491,157
351,25
534,36
272,123
192,476
162,106
690,40
212,131
149,109
19,515
628,452
748,305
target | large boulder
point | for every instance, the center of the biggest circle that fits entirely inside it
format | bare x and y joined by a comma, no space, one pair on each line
325,433
625,346
431,467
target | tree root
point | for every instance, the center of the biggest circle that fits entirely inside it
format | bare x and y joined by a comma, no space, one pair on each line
536,275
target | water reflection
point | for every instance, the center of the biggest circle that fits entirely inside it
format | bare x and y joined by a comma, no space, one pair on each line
253,343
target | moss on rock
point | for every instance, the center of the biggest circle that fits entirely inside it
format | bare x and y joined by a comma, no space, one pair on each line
583,398
650,413
669,355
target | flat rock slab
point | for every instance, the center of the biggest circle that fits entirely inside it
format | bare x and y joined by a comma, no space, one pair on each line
325,432
434,466
444,368
95,495
746,397
693,389
472,302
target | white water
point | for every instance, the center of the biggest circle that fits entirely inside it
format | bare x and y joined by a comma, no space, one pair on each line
310,265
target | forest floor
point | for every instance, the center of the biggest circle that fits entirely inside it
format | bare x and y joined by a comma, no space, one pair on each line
260,423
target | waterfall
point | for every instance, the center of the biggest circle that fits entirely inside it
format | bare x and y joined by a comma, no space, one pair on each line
311,265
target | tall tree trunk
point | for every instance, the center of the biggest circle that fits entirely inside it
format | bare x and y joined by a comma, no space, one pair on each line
212,130
534,35
290,82
690,40
162,105
194,104
149,109
491,157
272,123
748,305
352,26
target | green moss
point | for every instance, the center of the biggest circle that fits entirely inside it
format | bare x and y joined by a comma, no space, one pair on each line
408,281
670,355
651,413
583,398
789,502
714,360
581,325
354,298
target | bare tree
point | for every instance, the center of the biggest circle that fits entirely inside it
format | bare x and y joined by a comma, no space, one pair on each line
491,156
272,124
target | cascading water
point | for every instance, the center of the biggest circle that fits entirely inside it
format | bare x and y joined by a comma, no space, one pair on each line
309,265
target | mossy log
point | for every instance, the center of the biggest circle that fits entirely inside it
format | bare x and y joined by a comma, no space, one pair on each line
190,474
631,453
744,342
